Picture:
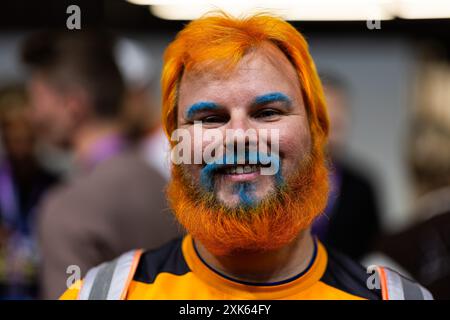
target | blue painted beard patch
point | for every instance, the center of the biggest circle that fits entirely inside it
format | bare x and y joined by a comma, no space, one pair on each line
245,190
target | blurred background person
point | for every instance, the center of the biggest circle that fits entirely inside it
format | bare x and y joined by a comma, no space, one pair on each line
423,247
352,203
115,201
23,182
141,110
142,113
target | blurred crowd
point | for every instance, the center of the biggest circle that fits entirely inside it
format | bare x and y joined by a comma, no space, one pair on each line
84,164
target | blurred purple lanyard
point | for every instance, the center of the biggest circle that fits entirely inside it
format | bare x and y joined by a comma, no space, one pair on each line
8,201
104,149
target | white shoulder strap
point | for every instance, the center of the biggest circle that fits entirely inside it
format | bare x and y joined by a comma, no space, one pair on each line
110,280
396,287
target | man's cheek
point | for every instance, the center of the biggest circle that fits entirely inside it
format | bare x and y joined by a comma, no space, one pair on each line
292,148
193,174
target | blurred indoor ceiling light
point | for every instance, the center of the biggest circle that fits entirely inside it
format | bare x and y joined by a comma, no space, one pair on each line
289,10
423,9
316,10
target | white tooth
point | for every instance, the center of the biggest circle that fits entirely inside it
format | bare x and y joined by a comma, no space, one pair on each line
254,168
233,170
240,169
247,169
230,170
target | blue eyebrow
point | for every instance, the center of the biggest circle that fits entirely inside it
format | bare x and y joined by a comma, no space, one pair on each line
200,106
271,97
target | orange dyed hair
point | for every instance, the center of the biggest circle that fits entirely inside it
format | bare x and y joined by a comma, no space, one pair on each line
223,39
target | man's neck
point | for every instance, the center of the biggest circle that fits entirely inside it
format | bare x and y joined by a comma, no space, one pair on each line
264,267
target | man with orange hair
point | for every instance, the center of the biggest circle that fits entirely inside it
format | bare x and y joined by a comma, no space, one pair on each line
247,213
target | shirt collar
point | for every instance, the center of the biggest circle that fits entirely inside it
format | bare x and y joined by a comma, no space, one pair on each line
302,281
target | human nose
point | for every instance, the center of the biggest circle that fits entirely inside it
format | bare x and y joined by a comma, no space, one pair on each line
240,133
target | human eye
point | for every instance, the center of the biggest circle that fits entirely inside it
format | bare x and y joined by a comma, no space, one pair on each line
213,119
267,114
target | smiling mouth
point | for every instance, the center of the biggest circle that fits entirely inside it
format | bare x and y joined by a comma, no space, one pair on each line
240,172
240,169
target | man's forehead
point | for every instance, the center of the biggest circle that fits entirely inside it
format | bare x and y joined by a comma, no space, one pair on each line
262,59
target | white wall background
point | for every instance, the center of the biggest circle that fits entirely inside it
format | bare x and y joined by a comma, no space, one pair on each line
381,77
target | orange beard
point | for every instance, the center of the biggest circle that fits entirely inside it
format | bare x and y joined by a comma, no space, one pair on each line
273,223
